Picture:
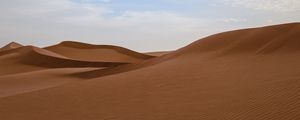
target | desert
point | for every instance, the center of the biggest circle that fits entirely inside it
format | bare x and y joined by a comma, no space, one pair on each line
245,74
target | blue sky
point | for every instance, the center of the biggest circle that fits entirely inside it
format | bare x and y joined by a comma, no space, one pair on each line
142,25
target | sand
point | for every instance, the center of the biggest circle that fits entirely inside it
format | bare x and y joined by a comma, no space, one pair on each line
245,74
36,80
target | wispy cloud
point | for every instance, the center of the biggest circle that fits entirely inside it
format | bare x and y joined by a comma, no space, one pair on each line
270,5
234,20
57,20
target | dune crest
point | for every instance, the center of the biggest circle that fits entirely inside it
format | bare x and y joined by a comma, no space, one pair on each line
277,38
105,53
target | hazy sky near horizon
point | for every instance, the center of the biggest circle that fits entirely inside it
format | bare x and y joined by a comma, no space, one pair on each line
142,25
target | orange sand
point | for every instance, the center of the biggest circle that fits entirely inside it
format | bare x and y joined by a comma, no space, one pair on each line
249,74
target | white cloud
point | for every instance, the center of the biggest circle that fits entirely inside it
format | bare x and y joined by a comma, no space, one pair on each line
230,20
269,5
87,1
159,21
51,10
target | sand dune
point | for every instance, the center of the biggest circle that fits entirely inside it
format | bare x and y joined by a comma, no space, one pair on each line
277,39
29,58
250,74
105,53
11,45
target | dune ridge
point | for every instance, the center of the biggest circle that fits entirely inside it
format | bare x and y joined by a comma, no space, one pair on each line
252,40
106,53
244,74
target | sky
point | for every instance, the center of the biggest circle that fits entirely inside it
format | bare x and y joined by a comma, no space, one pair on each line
141,25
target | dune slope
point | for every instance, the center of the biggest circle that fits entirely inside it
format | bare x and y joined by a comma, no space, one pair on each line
105,53
36,80
238,75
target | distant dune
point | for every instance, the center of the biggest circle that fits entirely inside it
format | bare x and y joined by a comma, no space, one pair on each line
29,58
11,45
106,53
249,74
